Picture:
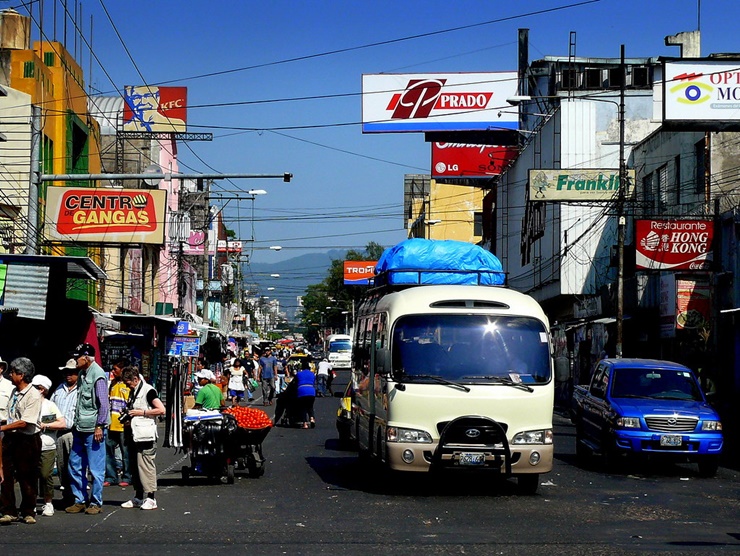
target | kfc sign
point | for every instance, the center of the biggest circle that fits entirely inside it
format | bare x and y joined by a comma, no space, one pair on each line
358,273
673,244
463,160
450,102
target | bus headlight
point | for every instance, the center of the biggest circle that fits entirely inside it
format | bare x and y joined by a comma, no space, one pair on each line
533,437
398,434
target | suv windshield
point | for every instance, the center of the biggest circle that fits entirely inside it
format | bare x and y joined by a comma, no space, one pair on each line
472,348
663,384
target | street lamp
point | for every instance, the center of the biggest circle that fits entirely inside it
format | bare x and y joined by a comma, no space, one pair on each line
274,275
276,247
621,220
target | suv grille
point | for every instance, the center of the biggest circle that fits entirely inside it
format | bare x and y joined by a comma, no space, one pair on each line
671,423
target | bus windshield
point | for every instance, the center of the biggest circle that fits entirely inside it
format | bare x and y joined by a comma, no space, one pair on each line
340,345
471,348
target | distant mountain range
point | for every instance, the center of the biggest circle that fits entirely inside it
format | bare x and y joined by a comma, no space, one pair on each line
296,274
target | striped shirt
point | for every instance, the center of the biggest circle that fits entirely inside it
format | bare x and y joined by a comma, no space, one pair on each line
66,400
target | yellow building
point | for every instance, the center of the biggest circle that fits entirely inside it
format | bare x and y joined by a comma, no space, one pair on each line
70,138
437,210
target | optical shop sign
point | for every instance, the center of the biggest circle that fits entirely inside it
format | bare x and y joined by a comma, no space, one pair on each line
674,244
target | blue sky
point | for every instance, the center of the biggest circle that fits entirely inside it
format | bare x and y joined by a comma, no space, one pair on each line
348,187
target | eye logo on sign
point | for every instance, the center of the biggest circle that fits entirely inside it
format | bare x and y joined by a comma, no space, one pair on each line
694,92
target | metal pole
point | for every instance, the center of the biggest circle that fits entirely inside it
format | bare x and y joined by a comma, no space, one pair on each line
206,260
621,223
32,224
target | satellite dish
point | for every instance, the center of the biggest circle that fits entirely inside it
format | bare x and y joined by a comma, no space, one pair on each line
152,169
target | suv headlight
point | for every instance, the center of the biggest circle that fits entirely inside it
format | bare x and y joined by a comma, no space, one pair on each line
397,434
533,437
711,426
629,422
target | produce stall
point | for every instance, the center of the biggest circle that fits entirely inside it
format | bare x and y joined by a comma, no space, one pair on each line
219,443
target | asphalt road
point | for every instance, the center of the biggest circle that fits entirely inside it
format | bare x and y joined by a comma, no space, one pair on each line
316,498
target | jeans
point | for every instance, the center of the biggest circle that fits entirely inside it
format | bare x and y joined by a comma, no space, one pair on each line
268,389
321,384
86,453
113,439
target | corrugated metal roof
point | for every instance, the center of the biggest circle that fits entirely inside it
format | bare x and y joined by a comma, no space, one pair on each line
75,267
106,111
27,287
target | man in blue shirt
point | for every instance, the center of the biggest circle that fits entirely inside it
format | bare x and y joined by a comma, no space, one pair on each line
268,364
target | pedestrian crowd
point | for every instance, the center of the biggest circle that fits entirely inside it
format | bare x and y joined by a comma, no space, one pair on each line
97,430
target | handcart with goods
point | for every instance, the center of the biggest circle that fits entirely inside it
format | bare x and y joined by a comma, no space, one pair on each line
220,443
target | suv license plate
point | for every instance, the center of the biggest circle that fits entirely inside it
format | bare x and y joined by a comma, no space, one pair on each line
472,459
671,440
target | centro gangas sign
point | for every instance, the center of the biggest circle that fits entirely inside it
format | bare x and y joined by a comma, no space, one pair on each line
581,184
87,215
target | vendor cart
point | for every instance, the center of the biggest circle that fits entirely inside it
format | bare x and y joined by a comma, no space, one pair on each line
217,446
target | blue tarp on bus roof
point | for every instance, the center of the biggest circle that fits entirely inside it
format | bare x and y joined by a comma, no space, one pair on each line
427,261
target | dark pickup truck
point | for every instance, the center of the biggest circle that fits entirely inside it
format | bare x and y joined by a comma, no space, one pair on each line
646,407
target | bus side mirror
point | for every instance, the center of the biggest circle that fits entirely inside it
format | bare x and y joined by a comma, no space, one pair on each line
383,361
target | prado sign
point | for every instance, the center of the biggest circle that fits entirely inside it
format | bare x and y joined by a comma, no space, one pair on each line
87,215
673,244
437,102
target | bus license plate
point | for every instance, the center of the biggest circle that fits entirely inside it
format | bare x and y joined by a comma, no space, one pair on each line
671,440
472,459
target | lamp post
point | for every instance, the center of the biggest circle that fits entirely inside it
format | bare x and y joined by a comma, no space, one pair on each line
621,219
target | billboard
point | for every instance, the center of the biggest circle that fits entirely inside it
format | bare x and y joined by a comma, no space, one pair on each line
693,304
582,184
358,273
438,102
86,215
155,109
673,244
702,95
461,159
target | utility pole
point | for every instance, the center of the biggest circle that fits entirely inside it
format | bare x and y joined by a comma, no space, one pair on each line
206,260
621,222
32,232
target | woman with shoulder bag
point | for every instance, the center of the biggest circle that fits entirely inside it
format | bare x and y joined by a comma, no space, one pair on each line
140,430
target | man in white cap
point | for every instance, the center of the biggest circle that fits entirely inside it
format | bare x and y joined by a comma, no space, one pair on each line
51,421
209,396
6,390
65,398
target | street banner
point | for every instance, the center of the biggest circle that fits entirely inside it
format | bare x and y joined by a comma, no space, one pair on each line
702,94
155,109
692,304
358,273
438,102
463,160
582,184
88,215
673,244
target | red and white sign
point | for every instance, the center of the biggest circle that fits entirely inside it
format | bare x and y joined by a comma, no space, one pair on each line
358,273
463,160
438,102
229,246
105,215
155,109
673,244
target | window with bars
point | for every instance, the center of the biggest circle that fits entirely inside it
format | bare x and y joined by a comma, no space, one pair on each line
677,178
648,195
662,175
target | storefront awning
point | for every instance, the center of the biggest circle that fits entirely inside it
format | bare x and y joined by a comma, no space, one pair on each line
75,267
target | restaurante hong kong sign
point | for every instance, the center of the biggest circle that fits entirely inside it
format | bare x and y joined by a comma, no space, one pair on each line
674,244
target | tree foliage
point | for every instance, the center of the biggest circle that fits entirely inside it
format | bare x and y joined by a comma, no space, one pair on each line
325,303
